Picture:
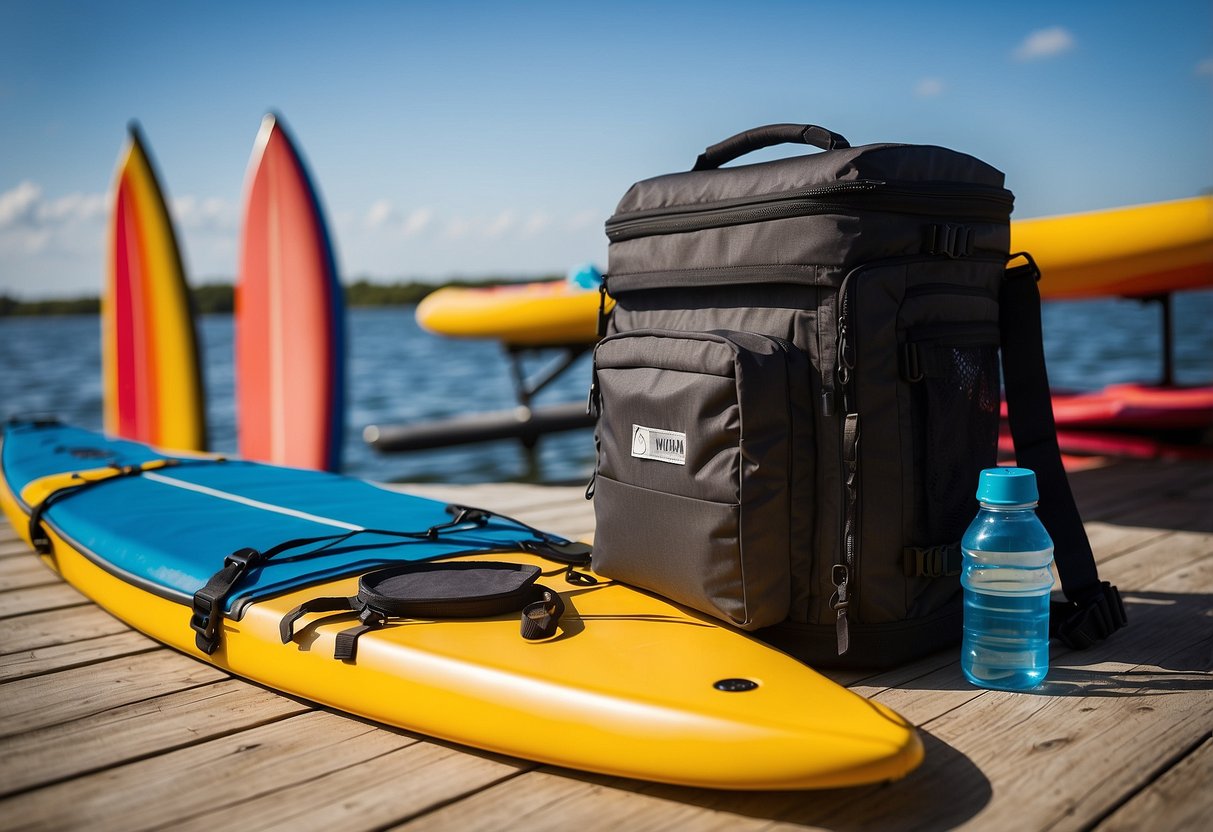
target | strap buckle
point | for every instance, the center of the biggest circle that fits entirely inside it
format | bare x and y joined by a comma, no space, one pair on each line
243,560
209,601
933,561
464,517
950,240
1086,622
205,621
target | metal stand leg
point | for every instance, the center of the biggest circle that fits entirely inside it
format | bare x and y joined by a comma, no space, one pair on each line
1168,337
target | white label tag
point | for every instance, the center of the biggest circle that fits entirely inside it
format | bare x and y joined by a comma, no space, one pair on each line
661,445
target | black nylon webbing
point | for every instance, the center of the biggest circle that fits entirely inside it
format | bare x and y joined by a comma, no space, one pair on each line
1030,414
1094,609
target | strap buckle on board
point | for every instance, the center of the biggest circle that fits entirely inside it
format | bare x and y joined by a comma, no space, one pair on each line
210,600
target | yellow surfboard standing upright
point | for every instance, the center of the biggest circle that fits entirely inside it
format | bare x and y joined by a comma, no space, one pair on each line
152,377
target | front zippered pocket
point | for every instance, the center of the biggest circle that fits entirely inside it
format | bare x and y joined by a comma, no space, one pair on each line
958,202
700,437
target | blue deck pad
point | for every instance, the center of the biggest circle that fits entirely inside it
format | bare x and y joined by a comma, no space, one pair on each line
172,528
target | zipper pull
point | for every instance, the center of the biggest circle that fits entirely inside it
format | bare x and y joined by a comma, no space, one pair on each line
602,313
846,362
841,577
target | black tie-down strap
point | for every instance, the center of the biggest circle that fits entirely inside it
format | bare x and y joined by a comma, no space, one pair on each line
1093,609
459,589
210,602
81,481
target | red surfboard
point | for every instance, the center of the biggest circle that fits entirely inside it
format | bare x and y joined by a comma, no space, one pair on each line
289,315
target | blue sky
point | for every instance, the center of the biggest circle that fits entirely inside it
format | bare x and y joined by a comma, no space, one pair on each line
465,138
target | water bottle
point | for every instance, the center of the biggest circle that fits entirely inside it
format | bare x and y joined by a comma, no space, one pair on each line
1006,578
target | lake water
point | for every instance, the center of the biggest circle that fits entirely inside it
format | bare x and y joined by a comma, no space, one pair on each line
399,374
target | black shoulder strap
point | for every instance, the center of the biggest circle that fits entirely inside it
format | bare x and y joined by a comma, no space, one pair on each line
1093,610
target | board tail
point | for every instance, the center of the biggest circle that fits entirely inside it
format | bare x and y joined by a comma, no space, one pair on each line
151,363
290,314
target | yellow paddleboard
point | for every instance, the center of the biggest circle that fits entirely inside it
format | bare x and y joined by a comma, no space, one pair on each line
630,685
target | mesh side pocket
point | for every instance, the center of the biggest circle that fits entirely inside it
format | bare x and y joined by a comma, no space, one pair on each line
956,402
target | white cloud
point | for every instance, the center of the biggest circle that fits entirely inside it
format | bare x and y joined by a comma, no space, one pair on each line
458,228
416,221
31,224
19,206
75,208
380,214
928,88
581,220
1205,67
55,242
1045,43
536,223
500,224
212,214
384,218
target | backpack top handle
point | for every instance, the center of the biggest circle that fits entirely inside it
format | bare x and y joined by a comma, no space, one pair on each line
771,134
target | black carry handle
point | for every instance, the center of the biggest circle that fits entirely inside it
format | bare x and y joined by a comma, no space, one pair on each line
772,134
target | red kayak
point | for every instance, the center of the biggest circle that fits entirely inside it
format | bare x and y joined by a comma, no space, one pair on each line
1128,421
1079,447
1135,407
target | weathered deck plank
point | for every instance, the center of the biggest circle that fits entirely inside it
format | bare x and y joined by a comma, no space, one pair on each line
29,704
174,786
380,791
43,629
1179,799
72,654
22,573
97,724
147,727
54,596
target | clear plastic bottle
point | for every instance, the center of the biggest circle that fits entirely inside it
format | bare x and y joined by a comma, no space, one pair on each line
1006,578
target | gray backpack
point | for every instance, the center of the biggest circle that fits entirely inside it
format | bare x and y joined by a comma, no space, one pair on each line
799,384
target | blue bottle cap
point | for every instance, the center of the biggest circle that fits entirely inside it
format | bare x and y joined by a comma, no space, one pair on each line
1007,487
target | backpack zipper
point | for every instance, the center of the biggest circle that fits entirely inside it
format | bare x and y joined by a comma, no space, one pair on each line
967,201
845,567
923,289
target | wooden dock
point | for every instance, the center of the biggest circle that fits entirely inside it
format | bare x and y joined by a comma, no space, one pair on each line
101,728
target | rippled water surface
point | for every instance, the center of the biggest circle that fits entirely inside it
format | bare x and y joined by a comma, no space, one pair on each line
398,374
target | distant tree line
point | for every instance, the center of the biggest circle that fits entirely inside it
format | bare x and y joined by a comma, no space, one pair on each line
219,298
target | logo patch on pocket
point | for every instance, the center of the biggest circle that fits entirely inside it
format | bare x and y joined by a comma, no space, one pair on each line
661,445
